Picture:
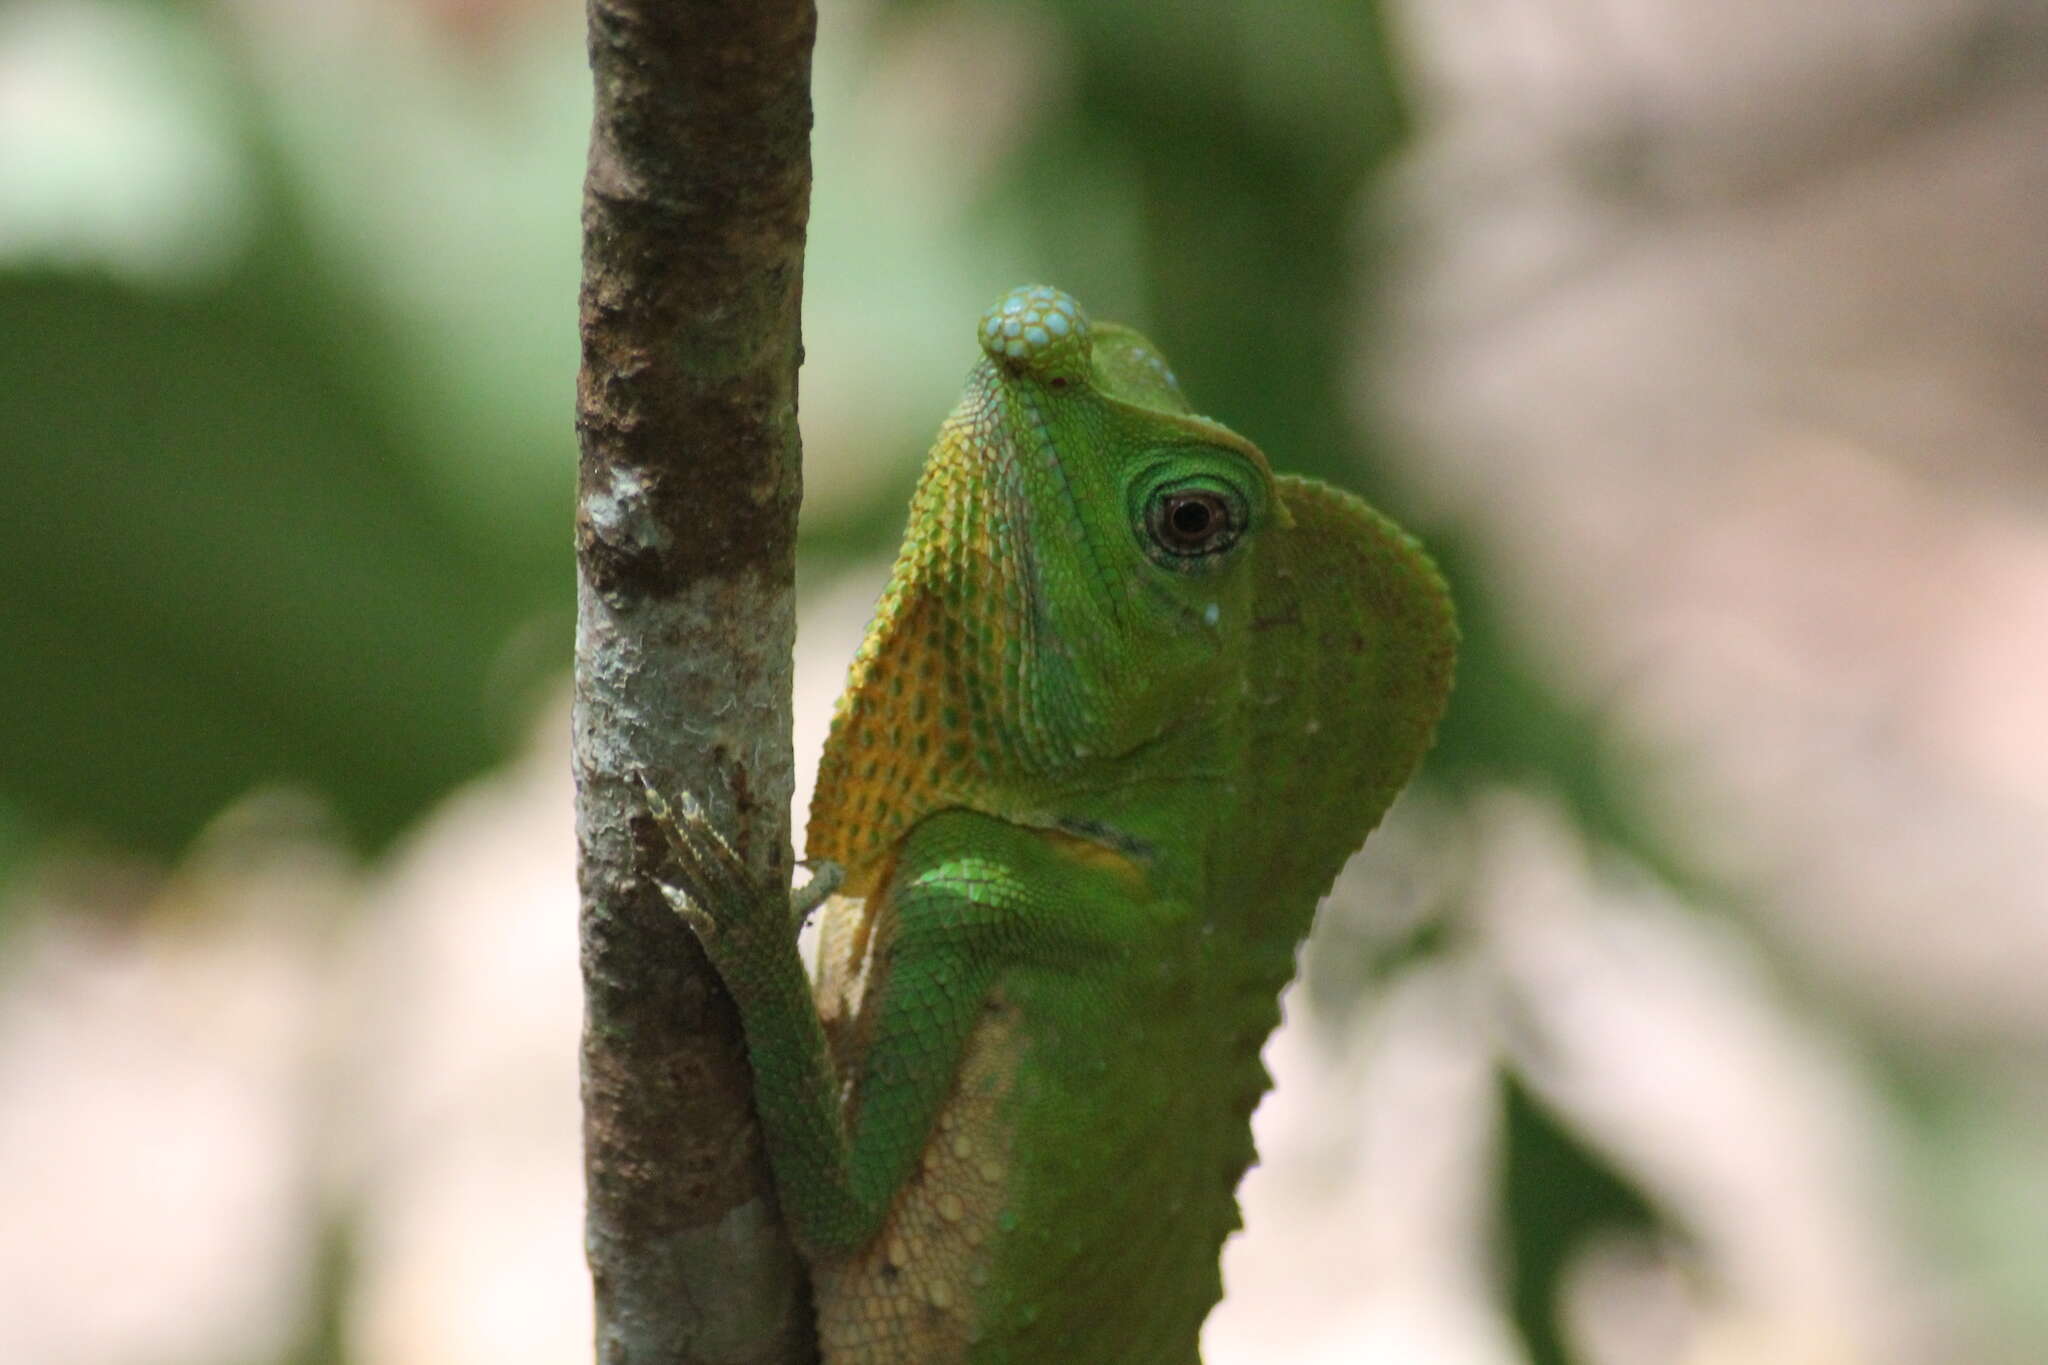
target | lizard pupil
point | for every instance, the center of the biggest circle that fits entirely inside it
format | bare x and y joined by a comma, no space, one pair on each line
1197,523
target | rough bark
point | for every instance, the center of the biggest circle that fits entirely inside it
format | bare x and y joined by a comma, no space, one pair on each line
693,222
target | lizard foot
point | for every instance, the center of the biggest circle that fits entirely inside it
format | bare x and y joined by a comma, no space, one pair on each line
715,892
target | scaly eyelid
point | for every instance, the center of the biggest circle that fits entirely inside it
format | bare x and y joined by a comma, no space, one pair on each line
1223,473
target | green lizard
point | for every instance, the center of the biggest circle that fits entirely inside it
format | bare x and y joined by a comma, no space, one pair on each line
1127,704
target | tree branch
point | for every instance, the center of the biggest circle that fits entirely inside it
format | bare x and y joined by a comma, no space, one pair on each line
693,231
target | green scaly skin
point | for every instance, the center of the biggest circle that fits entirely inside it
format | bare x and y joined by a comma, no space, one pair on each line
1129,702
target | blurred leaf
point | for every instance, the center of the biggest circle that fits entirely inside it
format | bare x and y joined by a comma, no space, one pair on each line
1557,1194
222,571
233,557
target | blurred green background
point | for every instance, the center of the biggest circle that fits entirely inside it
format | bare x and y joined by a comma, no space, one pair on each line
1688,1008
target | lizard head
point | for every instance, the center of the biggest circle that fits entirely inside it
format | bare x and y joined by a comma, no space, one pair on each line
1133,521
1088,575
1075,585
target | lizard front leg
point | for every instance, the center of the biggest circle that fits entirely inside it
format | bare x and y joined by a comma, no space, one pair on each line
954,921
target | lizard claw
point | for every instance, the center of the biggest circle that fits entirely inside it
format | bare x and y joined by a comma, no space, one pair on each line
711,880
713,884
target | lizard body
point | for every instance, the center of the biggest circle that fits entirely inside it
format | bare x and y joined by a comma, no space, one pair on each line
1127,704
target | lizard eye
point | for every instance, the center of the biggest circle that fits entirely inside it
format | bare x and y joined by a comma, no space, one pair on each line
1190,522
